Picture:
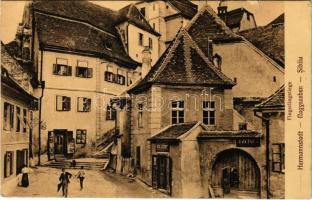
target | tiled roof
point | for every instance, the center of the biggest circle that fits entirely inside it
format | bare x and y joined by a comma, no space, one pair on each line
173,132
278,20
74,36
207,25
185,7
276,100
229,134
131,14
84,26
270,40
183,63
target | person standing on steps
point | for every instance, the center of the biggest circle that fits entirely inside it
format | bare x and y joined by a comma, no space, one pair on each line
81,176
64,181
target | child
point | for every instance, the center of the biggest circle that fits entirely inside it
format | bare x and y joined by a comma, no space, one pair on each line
81,176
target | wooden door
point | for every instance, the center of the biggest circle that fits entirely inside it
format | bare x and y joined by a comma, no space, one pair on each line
20,161
59,143
161,172
235,169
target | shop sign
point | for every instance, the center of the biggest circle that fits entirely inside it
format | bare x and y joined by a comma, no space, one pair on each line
162,148
248,142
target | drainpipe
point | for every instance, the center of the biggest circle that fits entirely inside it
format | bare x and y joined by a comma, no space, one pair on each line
42,86
267,151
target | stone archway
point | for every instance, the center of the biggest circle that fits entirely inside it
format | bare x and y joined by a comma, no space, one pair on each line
235,172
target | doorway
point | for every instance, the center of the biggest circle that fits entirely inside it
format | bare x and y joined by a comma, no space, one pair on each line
161,172
235,171
60,141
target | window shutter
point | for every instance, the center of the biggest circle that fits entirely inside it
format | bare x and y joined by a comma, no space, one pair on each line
59,103
54,69
90,71
76,71
80,104
11,116
5,164
68,102
69,70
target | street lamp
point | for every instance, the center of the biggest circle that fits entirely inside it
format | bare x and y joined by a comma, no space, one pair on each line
41,85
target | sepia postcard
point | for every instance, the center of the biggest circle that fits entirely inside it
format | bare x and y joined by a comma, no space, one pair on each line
156,99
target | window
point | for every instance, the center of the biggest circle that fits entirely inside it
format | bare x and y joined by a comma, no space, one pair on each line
150,43
8,164
140,39
121,79
82,70
81,136
18,119
138,157
274,78
209,113
129,78
24,120
142,10
177,113
61,68
210,49
278,157
140,115
8,116
242,126
154,26
84,104
109,75
62,103
235,80
110,113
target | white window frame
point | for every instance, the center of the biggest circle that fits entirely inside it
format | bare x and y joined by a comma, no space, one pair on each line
63,98
84,104
209,109
177,109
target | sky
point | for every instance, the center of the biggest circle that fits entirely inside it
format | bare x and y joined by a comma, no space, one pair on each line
264,11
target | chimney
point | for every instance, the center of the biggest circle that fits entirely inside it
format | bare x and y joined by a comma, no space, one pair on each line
222,10
146,61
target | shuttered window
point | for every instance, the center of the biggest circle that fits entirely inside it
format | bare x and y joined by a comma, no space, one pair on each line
140,115
129,78
63,103
109,74
24,120
110,113
61,67
18,119
84,104
82,70
121,79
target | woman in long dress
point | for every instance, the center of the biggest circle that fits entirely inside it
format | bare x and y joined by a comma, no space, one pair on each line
25,180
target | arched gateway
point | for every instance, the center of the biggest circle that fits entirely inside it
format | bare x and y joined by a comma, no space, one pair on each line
236,173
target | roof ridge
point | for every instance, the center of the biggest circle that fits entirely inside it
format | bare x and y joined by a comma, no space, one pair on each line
218,20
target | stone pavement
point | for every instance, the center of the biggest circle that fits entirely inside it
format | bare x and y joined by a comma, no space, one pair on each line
43,183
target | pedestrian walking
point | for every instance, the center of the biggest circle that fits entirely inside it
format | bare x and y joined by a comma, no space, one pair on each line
64,182
81,176
25,180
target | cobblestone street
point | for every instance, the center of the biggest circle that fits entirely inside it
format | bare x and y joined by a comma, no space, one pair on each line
43,183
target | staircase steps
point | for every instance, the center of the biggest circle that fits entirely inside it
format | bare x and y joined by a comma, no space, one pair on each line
87,165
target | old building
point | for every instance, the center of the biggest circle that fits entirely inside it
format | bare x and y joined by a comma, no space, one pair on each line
16,131
85,54
167,17
272,113
185,132
238,19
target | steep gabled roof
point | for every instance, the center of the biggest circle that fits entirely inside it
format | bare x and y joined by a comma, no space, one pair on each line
275,101
270,40
277,21
183,63
74,36
131,14
207,25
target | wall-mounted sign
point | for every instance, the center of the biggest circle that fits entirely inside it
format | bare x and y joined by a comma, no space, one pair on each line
162,148
248,142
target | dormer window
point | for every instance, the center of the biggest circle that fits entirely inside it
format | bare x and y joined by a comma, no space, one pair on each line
142,10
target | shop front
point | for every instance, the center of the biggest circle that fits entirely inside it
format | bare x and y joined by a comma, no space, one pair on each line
60,143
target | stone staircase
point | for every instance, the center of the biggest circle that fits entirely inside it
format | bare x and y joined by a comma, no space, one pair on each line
87,163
